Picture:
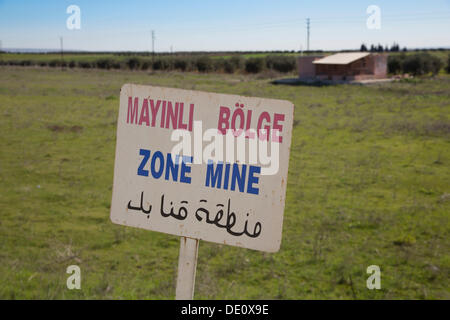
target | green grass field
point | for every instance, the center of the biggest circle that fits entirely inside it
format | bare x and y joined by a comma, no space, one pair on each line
369,183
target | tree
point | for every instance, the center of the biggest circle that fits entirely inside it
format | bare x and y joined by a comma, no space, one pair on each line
363,48
421,64
448,64
395,63
254,65
395,47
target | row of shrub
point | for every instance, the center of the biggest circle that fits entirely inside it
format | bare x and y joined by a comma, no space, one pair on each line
101,63
415,64
232,64
282,64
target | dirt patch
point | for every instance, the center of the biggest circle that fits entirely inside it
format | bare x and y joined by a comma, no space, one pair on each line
61,128
425,128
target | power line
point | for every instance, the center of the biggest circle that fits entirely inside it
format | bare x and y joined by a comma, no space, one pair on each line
62,51
418,18
422,18
153,44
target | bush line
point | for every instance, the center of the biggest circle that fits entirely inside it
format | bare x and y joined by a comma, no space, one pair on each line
203,64
416,64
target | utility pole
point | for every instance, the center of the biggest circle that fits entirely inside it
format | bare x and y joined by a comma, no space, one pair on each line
307,36
153,44
62,51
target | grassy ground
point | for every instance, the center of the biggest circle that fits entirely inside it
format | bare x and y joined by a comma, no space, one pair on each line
368,184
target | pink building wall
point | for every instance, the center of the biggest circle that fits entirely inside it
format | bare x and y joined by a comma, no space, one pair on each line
306,68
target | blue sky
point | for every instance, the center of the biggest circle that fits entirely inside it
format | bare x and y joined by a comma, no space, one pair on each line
194,25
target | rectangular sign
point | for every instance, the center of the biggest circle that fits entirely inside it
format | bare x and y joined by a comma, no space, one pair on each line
202,165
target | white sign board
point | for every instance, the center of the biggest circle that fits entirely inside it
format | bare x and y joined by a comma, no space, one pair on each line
202,165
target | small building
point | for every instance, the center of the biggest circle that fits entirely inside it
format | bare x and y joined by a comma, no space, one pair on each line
348,66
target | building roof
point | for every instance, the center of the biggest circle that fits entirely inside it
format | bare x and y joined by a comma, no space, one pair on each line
342,58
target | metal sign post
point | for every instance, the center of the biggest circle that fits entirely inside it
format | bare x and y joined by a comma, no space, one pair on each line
187,266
